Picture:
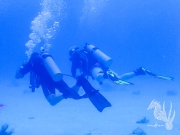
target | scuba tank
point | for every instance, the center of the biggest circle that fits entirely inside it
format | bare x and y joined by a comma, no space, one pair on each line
51,67
102,58
98,74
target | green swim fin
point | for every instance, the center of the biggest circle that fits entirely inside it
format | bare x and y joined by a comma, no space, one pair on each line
122,82
98,100
143,71
164,77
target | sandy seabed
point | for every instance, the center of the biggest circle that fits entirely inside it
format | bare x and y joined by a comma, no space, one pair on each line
29,113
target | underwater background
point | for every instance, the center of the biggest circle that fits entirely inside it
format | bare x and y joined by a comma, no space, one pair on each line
133,33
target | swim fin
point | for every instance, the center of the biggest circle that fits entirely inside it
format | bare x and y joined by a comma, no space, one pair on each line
70,93
159,76
164,77
143,71
98,100
122,82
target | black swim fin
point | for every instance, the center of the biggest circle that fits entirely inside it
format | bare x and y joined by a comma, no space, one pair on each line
70,93
98,100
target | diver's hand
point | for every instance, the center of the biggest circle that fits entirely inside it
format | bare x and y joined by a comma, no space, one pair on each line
18,74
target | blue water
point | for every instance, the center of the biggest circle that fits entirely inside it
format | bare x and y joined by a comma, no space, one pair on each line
133,33
138,33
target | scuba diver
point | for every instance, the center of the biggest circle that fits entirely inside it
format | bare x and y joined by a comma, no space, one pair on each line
90,61
44,71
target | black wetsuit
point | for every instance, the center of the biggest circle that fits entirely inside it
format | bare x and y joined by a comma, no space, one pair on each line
36,65
83,61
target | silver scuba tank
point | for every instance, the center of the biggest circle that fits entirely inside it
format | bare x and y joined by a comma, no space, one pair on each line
97,74
101,57
51,67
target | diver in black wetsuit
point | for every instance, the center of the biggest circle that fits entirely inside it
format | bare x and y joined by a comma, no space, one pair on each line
48,85
81,60
36,66
90,61
84,61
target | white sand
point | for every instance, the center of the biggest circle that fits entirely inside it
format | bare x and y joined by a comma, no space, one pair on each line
30,114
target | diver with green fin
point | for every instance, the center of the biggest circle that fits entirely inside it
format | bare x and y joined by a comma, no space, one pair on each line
91,61
45,73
